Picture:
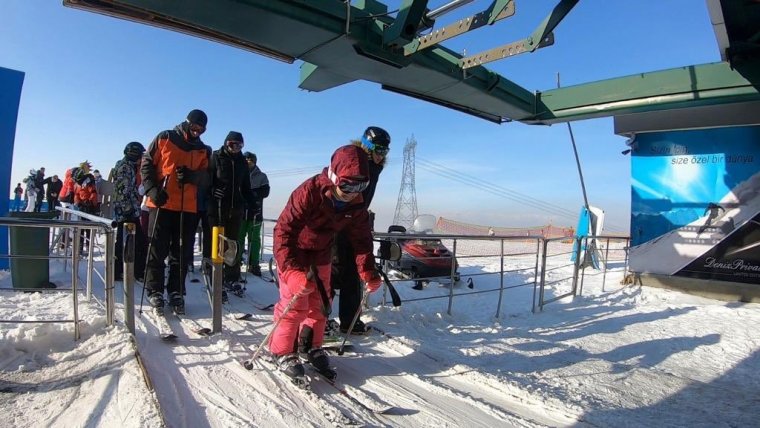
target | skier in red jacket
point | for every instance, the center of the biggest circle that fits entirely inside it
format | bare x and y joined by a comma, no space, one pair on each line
318,209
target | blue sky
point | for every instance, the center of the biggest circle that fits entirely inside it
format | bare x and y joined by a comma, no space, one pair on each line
94,83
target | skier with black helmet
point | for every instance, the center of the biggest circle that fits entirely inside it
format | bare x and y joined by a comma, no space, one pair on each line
126,206
375,142
230,191
253,215
172,169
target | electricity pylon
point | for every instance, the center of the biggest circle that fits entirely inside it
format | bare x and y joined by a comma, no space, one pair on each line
406,206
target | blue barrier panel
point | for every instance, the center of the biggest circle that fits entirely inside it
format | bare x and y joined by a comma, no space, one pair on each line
11,82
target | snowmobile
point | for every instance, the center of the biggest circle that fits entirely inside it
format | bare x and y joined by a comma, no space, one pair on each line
423,258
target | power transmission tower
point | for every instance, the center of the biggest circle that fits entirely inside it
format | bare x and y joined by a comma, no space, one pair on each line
406,206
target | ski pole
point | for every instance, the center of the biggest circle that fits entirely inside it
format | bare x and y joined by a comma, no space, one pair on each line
365,296
150,246
182,267
249,363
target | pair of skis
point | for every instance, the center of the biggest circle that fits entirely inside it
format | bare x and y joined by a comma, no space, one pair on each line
166,332
367,404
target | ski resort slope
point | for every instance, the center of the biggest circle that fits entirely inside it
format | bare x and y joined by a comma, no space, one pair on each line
621,357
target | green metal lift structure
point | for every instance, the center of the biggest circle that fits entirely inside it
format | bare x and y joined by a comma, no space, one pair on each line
344,41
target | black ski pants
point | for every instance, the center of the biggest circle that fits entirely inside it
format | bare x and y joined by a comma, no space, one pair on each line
345,277
167,234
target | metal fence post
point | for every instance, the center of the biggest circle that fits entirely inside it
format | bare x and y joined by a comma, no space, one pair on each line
128,237
109,254
576,268
606,257
543,278
501,279
90,261
453,271
74,280
216,279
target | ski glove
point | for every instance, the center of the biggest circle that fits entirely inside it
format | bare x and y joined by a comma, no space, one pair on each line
218,193
158,196
186,175
299,282
372,279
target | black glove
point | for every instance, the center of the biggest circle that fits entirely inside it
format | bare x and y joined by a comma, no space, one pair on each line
159,196
218,193
185,175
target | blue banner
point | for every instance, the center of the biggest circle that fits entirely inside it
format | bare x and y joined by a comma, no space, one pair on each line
695,201
11,82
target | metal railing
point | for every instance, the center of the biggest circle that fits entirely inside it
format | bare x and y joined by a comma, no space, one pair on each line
65,225
549,255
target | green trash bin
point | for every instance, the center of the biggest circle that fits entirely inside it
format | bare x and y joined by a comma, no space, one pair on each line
30,241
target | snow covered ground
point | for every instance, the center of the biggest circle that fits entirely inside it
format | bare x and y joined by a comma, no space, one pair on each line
627,356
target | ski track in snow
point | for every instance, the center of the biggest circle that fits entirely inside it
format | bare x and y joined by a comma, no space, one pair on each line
629,356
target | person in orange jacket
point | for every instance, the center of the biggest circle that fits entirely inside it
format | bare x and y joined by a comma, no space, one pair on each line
173,167
86,201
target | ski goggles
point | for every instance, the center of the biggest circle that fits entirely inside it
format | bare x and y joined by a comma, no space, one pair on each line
352,186
235,144
194,127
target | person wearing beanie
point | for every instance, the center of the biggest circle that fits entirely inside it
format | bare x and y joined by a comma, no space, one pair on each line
321,207
125,201
253,216
230,191
172,170
375,142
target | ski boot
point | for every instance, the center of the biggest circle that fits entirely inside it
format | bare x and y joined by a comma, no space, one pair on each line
177,303
359,329
321,362
225,298
157,302
235,287
331,327
291,366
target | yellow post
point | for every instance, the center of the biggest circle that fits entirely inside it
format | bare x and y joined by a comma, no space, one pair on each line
216,250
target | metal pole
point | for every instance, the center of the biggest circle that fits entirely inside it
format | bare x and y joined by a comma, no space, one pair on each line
216,279
65,231
74,280
90,261
542,284
501,279
365,296
264,342
606,256
535,271
128,237
448,7
110,295
453,270
261,246
577,266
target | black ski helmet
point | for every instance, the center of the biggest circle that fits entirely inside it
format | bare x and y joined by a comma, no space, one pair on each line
249,155
197,117
134,150
376,139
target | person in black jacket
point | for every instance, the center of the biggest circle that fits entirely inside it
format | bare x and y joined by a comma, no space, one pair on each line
53,189
230,190
39,183
376,143
253,216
